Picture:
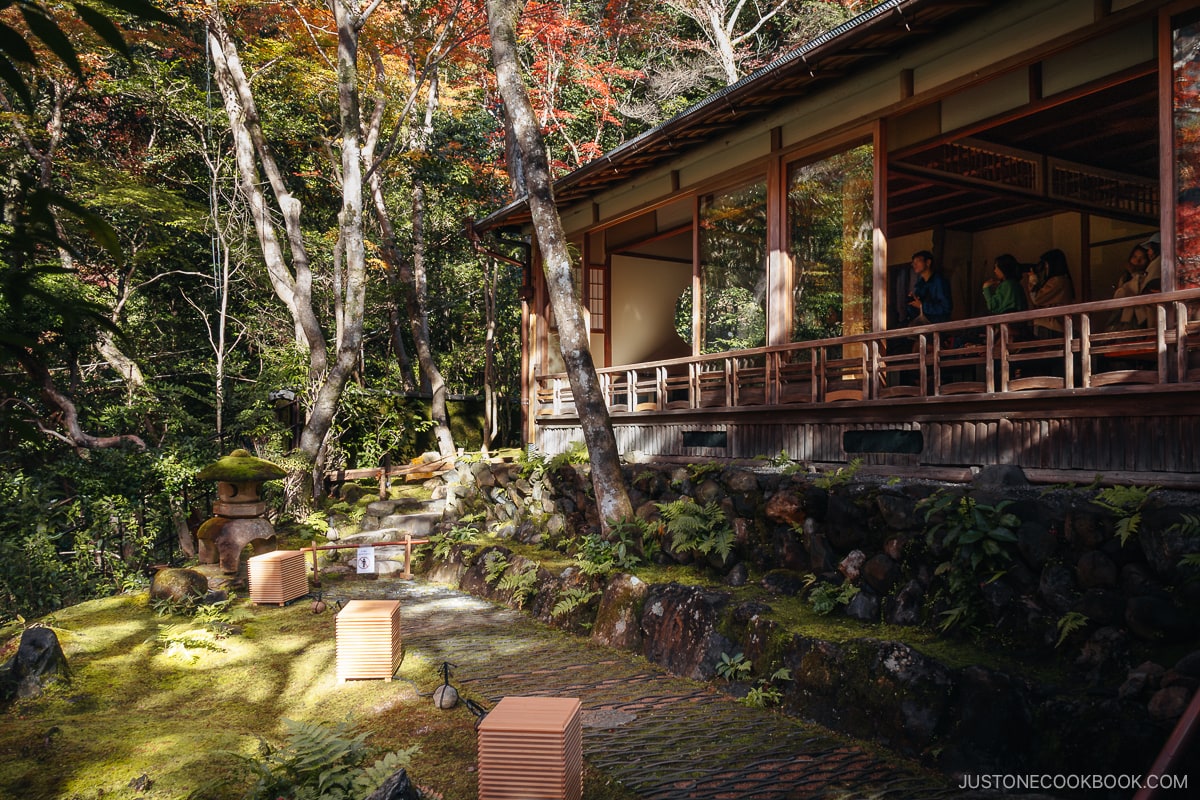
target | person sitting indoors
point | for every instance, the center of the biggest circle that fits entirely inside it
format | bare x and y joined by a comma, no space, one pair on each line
1003,292
1152,280
1047,286
1130,284
929,301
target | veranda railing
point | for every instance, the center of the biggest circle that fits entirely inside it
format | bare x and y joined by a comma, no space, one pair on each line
985,356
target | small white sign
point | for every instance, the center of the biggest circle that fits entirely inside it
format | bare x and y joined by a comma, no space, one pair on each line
365,560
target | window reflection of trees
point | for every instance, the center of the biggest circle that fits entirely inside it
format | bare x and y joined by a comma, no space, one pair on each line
733,258
1187,149
830,222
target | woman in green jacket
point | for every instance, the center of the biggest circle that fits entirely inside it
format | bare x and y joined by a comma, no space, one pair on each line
1003,292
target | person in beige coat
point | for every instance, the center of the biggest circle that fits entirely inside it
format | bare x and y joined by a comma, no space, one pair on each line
1049,285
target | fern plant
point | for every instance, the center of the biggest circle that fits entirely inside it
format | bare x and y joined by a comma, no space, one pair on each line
767,691
839,477
1069,623
465,532
826,597
322,763
522,585
697,529
698,472
599,556
572,598
1127,503
494,565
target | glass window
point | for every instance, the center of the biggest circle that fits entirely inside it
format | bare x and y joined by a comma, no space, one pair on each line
830,221
1186,100
733,269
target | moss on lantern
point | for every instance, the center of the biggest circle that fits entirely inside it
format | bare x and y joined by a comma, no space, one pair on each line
240,467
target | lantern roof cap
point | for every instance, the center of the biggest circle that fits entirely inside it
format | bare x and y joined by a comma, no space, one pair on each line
241,467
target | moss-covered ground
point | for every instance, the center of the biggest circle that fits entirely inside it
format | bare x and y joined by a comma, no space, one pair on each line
185,717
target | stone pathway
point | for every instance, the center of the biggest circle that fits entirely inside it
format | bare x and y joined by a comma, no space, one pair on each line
662,737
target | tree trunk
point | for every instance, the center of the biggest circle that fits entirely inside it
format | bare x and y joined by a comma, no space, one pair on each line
412,274
350,235
252,152
612,498
420,292
490,412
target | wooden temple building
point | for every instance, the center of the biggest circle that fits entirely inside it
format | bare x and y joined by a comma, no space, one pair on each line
745,266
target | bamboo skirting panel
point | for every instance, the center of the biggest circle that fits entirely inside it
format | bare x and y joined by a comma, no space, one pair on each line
1119,443
531,748
367,637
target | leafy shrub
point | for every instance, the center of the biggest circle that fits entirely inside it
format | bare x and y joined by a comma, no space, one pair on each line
322,763
977,538
735,667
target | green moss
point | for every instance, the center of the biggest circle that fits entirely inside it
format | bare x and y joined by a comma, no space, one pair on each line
241,467
131,709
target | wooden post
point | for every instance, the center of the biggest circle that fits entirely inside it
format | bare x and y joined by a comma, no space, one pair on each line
316,569
407,575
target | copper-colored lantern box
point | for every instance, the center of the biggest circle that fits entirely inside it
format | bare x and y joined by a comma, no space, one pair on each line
531,748
277,577
367,634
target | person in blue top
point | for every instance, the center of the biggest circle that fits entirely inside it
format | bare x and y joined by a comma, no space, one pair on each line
929,300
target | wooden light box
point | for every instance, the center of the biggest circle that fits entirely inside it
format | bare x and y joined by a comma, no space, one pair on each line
367,636
277,577
531,748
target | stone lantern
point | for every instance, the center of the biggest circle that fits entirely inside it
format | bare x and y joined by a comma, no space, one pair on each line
239,510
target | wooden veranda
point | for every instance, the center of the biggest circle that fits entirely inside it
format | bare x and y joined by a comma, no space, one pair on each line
938,399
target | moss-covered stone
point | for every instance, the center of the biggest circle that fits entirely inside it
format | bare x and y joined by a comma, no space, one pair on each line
241,467
178,585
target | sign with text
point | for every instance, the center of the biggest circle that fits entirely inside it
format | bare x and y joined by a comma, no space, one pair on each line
365,560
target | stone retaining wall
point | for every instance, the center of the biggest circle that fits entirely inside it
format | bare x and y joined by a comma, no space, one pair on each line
789,530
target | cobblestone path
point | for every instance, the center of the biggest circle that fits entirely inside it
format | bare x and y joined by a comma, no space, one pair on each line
662,737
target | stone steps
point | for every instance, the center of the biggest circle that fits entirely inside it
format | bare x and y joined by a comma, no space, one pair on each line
390,521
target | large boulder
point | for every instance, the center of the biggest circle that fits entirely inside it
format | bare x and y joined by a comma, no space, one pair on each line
618,619
679,629
177,585
39,661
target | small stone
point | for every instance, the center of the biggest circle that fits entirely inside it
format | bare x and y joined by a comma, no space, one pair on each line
998,476
445,696
881,573
738,575
1189,664
905,608
785,508
1167,705
782,581
851,566
1156,618
864,606
1095,570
